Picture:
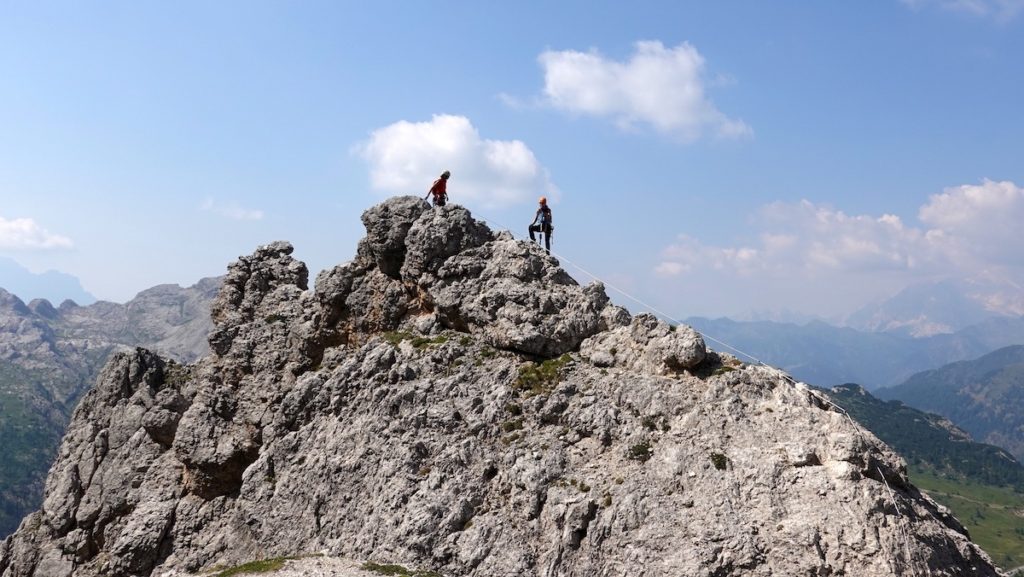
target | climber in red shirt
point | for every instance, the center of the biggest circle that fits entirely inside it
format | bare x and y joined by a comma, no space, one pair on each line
439,189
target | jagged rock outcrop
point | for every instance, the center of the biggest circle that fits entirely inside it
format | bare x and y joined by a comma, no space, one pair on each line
452,400
448,270
648,346
50,356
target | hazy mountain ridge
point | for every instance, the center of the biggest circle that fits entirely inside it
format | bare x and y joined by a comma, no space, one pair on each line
50,356
929,309
825,355
53,286
984,396
451,399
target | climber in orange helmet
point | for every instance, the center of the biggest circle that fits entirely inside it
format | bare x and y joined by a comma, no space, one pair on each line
542,224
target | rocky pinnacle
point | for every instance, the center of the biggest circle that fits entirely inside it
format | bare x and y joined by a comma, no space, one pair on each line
452,400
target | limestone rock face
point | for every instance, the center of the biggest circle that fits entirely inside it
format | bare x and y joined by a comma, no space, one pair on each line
451,400
442,233
648,345
516,297
450,271
49,357
387,226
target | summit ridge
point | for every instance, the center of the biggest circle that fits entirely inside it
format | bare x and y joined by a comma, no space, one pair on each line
452,400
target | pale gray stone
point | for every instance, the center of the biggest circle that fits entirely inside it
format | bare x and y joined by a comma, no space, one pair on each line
53,355
483,416
647,345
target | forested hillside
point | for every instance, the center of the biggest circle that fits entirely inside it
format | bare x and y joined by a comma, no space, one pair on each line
984,396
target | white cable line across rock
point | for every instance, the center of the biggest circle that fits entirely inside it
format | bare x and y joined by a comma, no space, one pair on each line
782,374
635,299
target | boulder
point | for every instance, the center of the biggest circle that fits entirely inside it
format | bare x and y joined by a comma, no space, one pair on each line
648,345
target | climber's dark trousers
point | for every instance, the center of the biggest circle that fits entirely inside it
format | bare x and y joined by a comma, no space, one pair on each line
545,231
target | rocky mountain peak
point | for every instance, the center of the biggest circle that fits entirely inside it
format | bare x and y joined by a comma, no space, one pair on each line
12,303
451,399
43,308
49,358
441,269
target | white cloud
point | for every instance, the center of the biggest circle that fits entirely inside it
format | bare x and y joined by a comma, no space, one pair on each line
807,239
671,268
1000,10
820,237
230,210
406,157
970,231
26,234
977,223
971,209
688,255
658,86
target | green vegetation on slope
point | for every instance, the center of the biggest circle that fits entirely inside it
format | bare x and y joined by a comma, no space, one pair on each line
930,442
260,566
30,435
994,516
984,396
397,570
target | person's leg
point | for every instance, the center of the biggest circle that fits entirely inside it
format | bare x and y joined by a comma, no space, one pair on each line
533,228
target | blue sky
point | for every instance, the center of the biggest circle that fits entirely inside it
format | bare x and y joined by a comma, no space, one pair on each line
710,158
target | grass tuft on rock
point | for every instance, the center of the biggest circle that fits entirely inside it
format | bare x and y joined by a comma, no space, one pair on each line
261,566
538,379
512,425
720,461
424,342
640,452
397,570
396,337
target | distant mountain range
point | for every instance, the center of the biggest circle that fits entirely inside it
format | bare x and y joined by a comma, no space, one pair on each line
984,396
53,286
944,307
922,327
49,356
825,355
